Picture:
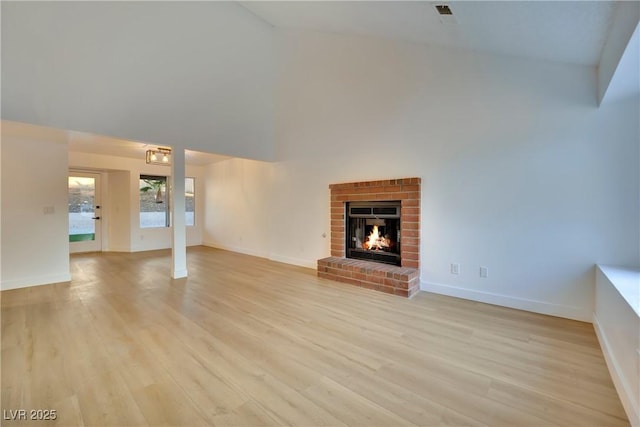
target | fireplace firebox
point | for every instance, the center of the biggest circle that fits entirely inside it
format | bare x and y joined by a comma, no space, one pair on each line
373,231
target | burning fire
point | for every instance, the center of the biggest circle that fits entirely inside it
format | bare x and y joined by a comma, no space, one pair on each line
376,241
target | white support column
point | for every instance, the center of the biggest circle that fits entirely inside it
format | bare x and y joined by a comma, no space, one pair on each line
179,231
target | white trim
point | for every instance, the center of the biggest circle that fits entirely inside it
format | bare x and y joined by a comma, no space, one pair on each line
245,251
160,246
294,261
179,274
140,248
625,281
622,386
118,249
34,281
542,307
277,258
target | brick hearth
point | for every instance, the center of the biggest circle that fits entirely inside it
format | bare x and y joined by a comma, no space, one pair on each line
401,280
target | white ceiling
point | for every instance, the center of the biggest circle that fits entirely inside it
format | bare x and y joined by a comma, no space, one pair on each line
564,31
88,143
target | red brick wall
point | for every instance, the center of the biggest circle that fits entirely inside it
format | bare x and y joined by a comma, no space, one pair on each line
407,190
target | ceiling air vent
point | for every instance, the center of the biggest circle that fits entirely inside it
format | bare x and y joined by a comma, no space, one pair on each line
444,9
444,13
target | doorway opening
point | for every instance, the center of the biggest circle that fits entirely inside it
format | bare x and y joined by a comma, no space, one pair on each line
85,230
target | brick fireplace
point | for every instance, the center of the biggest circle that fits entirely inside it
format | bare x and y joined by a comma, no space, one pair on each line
398,280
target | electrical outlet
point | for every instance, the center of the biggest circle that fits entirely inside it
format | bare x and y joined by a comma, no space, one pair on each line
48,210
455,268
484,272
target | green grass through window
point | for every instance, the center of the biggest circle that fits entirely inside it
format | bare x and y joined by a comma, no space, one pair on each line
82,237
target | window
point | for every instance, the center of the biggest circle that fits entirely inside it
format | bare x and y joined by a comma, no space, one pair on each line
154,201
190,201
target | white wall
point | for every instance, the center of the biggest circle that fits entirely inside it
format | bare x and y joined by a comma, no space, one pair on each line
238,206
195,75
119,211
35,244
35,163
522,172
141,239
617,323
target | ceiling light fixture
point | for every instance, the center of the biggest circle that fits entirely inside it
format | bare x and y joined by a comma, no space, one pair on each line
159,156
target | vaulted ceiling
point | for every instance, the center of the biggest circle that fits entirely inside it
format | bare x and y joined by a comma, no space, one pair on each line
563,31
200,74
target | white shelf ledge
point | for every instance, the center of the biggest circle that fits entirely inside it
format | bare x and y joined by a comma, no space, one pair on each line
627,283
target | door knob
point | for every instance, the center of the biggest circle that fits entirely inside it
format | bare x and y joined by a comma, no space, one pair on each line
96,217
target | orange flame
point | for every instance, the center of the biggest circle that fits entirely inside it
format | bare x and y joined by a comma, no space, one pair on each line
375,240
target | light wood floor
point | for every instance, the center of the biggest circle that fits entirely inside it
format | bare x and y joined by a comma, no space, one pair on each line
245,341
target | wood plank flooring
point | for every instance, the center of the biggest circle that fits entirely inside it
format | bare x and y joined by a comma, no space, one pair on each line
248,342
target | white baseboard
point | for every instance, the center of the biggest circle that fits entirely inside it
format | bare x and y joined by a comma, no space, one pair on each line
34,281
158,247
566,311
118,249
278,258
622,386
245,251
179,274
294,261
138,248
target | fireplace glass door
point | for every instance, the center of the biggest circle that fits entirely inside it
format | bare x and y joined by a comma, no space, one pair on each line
373,231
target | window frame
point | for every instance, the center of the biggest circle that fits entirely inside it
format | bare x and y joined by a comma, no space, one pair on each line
194,201
166,201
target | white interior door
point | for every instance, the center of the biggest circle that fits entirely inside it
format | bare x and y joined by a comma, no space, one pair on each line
85,228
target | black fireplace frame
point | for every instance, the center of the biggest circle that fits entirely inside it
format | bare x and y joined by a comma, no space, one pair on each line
385,212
